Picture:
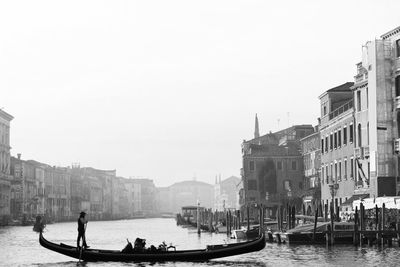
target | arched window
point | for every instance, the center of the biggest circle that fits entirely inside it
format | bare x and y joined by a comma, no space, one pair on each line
359,135
398,124
397,85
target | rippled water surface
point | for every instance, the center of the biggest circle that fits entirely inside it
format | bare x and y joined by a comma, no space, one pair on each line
20,246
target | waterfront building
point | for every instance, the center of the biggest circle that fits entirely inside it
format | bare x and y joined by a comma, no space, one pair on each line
189,193
164,200
377,117
337,145
92,191
57,192
226,193
148,196
311,152
133,197
272,171
5,177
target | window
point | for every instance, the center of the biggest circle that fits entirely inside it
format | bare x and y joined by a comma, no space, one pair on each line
279,167
324,109
359,135
339,135
345,169
322,173
398,48
351,133
340,171
326,144
331,141
252,184
336,172
397,85
252,166
294,165
344,135
358,100
322,146
335,138
300,185
327,173
287,185
351,168
331,172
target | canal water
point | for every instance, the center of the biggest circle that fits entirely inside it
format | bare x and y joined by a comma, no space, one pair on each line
20,246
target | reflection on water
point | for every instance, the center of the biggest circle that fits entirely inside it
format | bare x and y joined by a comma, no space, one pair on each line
20,247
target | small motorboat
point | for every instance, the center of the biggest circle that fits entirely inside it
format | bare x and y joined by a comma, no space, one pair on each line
210,252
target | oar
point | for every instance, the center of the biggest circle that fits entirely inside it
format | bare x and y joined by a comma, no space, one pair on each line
80,250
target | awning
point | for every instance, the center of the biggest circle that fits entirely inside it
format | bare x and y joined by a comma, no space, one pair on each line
358,197
370,203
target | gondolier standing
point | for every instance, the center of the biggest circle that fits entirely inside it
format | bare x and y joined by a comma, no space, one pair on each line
82,221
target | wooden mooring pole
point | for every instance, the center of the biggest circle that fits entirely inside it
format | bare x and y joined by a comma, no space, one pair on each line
315,223
248,218
355,234
332,227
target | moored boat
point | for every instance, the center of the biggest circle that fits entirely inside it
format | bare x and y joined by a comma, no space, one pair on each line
210,252
304,234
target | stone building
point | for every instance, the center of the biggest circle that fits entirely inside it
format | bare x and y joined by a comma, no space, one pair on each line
377,118
57,193
226,193
337,145
311,152
188,193
272,171
133,198
5,177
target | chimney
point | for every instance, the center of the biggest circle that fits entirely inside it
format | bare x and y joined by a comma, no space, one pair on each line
19,155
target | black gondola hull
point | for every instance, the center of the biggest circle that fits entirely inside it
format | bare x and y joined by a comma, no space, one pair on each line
212,252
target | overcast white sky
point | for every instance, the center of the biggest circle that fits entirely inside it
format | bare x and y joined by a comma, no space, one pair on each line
169,89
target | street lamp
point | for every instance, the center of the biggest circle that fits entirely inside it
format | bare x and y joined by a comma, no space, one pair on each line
333,188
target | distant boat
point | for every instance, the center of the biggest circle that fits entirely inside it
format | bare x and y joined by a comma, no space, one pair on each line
304,234
210,252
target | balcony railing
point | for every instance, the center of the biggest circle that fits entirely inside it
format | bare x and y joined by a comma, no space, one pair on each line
397,145
397,102
341,109
366,152
358,152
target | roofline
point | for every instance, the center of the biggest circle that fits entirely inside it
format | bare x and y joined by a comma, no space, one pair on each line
390,33
310,135
329,90
6,115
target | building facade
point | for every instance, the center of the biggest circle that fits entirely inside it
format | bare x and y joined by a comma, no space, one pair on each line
311,152
376,92
337,133
272,171
5,177
226,193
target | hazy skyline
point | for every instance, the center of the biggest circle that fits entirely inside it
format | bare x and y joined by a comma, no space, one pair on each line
168,90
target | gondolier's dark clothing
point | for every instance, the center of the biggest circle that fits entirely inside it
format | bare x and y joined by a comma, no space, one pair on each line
81,232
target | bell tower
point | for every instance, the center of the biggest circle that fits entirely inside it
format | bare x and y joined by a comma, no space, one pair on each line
256,129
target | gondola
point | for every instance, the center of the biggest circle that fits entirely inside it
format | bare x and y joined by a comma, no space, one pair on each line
211,252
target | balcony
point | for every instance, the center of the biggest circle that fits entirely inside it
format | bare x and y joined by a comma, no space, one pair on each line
366,152
358,152
397,102
397,145
341,109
